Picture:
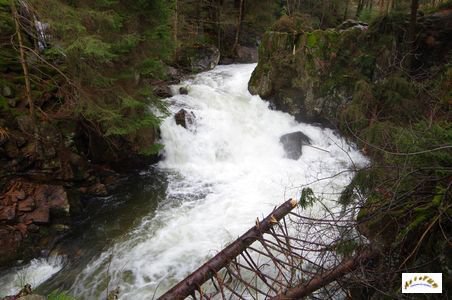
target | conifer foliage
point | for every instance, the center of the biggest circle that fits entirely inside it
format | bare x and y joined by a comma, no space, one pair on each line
94,59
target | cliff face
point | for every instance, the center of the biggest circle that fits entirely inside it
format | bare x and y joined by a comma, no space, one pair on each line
313,74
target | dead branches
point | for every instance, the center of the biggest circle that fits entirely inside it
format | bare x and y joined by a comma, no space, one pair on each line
285,256
208,270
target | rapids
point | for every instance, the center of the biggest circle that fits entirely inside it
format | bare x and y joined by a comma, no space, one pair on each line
224,171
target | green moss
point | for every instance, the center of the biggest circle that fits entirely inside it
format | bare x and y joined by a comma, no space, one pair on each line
311,40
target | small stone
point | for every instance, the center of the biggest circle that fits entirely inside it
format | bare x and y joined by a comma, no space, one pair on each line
61,227
184,118
98,189
8,213
27,205
41,215
57,199
20,195
162,91
33,228
183,90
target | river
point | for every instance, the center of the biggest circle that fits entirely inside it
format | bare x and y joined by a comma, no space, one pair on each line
216,177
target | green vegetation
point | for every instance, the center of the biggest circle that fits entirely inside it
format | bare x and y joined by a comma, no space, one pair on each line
402,122
56,295
109,51
392,98
91,66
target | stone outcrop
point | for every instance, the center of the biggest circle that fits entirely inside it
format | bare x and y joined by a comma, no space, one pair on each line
25,208
246,54
304,73
293,143
184,118
198,58
313,74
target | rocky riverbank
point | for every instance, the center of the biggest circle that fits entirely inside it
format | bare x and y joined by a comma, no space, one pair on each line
48,165
393,99
315,74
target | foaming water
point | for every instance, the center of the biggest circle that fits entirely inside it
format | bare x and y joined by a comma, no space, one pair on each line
224,171
34,273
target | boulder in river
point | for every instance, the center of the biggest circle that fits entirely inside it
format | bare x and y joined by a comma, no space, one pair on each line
198,58
293,142
183,90
184,118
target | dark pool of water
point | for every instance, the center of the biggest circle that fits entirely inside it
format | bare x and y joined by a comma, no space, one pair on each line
105,220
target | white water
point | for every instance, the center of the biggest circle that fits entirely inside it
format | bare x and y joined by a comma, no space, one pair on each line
224,172
34,273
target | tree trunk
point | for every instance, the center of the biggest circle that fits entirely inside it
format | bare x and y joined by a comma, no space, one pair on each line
359,8
412,35
327,277
23,61
238,28
347,3
190,284
176,24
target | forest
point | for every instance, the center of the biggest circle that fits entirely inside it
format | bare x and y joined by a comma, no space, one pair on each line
102,121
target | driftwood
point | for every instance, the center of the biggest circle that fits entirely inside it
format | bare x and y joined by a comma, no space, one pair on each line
322,280
285,256
209,270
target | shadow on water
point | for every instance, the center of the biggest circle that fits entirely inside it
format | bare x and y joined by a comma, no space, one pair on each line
105,221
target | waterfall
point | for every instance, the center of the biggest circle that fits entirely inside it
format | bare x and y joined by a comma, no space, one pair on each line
224,171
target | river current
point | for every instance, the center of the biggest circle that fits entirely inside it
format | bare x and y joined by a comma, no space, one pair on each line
216,178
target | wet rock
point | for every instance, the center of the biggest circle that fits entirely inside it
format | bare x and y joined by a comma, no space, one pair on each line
98,189
199,58
61,227
184,118
57,199
8,213
162,91
24,207
20,195
183,90
33,228
246,55
27,205
40,215
293,143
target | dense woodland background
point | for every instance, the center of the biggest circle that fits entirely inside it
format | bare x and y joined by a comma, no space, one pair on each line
81,86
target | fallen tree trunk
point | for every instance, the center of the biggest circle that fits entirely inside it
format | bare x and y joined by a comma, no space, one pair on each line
324,279
190,284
